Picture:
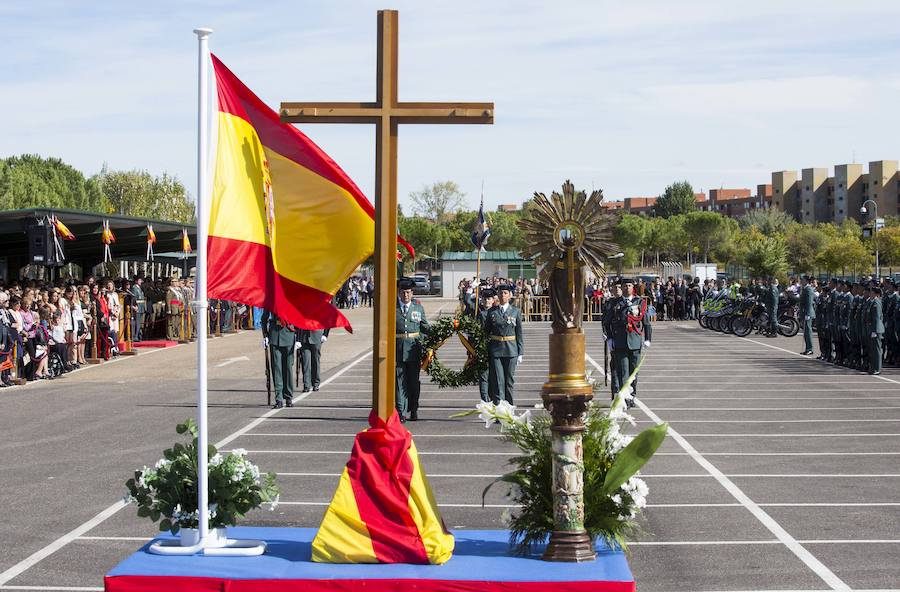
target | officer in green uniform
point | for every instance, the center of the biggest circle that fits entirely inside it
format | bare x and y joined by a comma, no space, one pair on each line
855,325
140,309
771,301
175,310
807,312
874,330
889,306
411,327
310,344
503,327
823,328
280,338
631,331
608,310
485,381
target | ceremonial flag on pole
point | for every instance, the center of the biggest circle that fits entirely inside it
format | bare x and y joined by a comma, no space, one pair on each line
108,238
151,240
185,241
62,229
482,229
287,225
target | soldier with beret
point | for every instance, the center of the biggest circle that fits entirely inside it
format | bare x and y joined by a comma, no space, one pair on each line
506,346
411,327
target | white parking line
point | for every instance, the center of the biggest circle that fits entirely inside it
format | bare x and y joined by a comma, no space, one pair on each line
819,568
354,434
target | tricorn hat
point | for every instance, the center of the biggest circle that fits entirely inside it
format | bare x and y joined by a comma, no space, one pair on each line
405,283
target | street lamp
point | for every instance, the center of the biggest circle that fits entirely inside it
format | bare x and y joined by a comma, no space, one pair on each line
863,210
619,257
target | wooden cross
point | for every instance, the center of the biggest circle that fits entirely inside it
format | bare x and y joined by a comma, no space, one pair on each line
386,113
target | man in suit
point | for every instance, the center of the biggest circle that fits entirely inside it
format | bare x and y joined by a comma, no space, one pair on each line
310,344
506,346
139,309
280,338
874,330
411,326
631,331
807,312
486,380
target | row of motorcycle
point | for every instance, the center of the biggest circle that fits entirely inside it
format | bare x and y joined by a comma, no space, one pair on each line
743,314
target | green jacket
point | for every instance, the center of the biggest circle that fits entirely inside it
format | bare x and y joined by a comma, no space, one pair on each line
807,302
504,332
409,349
618,324
874,321
310,337
771,298
280,333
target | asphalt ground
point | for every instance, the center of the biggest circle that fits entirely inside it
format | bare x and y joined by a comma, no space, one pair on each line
780,472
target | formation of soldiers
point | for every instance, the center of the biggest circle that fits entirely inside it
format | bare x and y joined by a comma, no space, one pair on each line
856,327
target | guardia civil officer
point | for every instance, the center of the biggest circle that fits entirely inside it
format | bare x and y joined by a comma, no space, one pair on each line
608,308
889,307
823,327
485,382
503,327
140,309
310,344
280,337
874,331
807,312
771,296
631,331
411,327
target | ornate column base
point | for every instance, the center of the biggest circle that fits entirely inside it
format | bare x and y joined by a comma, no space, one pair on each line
570,546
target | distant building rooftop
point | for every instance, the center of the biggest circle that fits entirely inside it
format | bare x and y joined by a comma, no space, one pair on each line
508,208
485,256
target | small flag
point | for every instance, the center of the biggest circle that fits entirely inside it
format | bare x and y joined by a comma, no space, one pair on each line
482,228
185,241
151,240
108,238
62,229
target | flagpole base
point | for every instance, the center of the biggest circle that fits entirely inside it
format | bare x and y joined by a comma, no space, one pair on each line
232,548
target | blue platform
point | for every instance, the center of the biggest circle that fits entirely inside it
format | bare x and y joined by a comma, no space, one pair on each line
481,562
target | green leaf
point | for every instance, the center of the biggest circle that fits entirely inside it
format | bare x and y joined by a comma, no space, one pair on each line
514,477
165,524
633,457
143,512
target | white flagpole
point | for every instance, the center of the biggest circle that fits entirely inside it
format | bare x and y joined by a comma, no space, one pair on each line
200,296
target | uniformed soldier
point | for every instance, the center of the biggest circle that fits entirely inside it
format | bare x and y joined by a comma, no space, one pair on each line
503,327
310,344
485,381
139,310
841,311
631,331
608,311
190,319
412,326
889,305
855,326
280,338
807,312
174,309
823,326
875,331
772,295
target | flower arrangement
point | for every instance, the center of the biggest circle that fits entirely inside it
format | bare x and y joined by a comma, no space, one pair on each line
167,492
613,493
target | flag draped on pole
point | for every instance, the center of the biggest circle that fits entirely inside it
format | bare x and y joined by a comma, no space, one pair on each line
59,230
185,241
108,238
383,510
151,240
482,229
287,225
62,229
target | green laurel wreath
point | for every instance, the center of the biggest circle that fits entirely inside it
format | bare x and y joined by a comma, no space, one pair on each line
471,334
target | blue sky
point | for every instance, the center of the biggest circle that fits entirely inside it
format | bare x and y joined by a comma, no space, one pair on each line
627,97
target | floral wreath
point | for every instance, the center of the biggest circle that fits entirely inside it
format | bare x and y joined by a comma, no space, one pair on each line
471,335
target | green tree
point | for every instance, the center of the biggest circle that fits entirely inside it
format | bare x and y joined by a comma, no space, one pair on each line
632,233
766,255
438,202
770,222
706,229
32,181
804,243
678,198
138,193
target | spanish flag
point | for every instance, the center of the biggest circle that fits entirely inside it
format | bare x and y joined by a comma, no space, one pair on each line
62,229
383,510
287,225
185,241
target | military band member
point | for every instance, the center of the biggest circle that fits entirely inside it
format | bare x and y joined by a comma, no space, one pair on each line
631,331
486,381
807,312
280,338
506,346
411,327
310,344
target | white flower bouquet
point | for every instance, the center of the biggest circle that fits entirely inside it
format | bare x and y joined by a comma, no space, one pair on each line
167,492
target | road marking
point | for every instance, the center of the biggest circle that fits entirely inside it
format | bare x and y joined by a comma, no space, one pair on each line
769,420
819,568
78,531
879,407
790,435
656,475
59,588
509,454
232,361
769,542
354,434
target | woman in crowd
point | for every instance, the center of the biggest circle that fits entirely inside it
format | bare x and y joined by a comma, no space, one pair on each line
29,323
113,306
41,344
80,332
65,312
100,313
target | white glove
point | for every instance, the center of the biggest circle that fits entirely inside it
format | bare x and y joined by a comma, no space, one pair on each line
874,335
520,359
647,344
297,346
324,338
806,318
609,343
265,342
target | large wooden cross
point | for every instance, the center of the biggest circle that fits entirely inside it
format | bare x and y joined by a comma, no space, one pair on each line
386,113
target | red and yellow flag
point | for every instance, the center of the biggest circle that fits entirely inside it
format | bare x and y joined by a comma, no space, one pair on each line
383,510
62,229
185,241
107,237
287,225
